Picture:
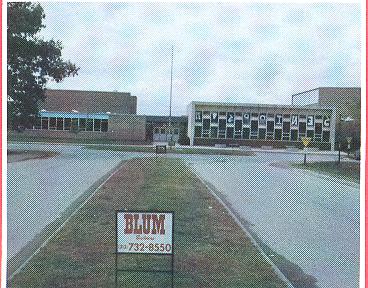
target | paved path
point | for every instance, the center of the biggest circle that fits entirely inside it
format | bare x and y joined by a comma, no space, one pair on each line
39,190
312,221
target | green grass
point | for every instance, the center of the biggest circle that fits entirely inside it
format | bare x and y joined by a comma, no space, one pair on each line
346,170
185,150
210,248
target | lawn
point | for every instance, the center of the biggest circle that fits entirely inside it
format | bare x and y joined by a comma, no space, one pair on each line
346,170
174,150
210,248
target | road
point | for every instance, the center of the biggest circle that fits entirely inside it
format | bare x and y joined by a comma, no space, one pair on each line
312,221
39,190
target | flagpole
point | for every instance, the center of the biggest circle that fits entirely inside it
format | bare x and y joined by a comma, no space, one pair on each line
172,63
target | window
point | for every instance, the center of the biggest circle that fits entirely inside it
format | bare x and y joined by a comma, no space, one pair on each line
213,132
222,124
310,133
278,134
162,131
67,123
270,126
198,116
89,125
59,123
222,128
238,125
197,131
326,136
254,126
262,133
157,130
206,124
294,135
206,128
230,132
97,125
52,123
286,127
82,124
104,125
246,133
45,123
176,131
318,128
302,127
74,124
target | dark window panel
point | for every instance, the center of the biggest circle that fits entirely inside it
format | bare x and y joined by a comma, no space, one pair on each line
278,134
294,135
230,132
104,125
246,132
213,132
262,133
326,136
197,131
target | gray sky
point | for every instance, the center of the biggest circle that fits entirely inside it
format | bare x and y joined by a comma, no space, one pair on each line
240,52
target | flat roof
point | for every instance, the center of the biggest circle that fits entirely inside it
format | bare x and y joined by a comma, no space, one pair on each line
252,105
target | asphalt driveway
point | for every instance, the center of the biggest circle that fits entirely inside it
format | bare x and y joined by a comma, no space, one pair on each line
312,221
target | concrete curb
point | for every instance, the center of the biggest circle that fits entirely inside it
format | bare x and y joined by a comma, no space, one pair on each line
254,242
114,171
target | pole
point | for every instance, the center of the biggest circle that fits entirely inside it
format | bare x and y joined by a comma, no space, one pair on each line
339,153
172,63
305,158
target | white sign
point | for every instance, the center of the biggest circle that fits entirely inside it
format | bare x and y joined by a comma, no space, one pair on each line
144,232
326,121
294,120
310,120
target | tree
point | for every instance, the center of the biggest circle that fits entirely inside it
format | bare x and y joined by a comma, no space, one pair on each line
31,62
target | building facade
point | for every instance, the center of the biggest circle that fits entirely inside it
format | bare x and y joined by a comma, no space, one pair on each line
77,114
211,123
347,101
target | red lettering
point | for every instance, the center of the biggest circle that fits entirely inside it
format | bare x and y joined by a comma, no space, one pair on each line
158,224
137,228
128,223
146,223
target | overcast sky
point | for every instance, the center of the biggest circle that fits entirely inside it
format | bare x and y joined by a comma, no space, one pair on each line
252,53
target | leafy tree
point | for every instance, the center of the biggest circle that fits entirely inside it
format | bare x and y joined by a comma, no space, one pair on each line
31,62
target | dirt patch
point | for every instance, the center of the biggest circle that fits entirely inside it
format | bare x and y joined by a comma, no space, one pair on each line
24,155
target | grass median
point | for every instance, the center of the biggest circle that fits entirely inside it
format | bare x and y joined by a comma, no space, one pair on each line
346,170
210,248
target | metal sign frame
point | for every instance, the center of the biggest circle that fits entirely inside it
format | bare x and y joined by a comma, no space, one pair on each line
140,253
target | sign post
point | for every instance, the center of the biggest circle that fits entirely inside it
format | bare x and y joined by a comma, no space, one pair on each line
306,141
145,232
348,139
